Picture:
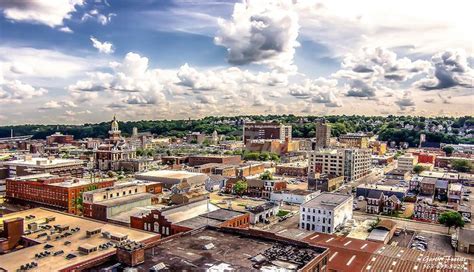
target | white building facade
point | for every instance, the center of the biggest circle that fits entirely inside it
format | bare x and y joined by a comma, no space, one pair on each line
326,212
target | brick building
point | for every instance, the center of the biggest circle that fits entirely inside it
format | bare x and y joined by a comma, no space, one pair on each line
187,217
114,151
103,204
222,159
59,138
354,140
296,169
266,131
428,186
427,212
52,191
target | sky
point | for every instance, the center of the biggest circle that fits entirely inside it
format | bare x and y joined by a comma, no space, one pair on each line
82,61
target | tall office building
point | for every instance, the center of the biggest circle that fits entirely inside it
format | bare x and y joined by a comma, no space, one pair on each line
323,134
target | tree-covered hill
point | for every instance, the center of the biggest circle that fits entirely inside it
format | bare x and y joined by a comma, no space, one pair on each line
390,128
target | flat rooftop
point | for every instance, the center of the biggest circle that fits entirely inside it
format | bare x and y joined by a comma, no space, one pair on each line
43,162
431,174
12,261
294,192
168,174
300,164
382,187
34,176
78,182
327,200
349,254
188,211
124,217
227,249
126,199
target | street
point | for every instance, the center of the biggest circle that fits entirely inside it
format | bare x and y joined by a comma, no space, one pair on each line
402,223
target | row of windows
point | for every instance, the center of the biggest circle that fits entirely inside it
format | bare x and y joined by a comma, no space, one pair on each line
314,211
308,218
309,226
117,194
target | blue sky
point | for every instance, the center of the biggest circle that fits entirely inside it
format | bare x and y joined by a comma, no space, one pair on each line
76,61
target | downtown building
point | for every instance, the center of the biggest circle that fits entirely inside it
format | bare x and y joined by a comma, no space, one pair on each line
29,165
352,163
52,191
112,154
326,212
266,131
323,134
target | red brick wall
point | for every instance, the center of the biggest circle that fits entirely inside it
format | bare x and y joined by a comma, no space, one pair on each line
199,160
44,193
237,222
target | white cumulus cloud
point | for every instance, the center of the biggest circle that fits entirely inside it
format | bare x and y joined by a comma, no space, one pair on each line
103,47
51,12
261,31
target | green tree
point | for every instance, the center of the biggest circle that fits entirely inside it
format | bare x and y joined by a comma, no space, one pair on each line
448,150
463,166
418,169
267,175
240,187
251,156
451,219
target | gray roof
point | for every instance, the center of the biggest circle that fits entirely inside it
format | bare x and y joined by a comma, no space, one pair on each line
222,214
327,200
374,194
428,180
198,222
466,235
441,184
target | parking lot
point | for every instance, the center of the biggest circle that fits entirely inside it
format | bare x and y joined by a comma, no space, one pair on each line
402,240
438,243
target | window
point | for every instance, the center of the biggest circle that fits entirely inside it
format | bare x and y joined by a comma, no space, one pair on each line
303,209
324,229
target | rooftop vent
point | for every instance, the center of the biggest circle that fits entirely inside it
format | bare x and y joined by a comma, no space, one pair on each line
209,246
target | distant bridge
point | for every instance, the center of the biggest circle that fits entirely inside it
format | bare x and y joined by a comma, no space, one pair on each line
16,138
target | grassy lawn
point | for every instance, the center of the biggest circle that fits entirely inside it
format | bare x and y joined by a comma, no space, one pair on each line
282,213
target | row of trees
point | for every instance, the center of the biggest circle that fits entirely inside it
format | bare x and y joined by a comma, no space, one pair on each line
389,128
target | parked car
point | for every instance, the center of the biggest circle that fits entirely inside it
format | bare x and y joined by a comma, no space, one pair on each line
425,244
361,198
397,232
420,238
467,220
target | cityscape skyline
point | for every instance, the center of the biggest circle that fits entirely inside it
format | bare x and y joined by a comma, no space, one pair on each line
83,61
